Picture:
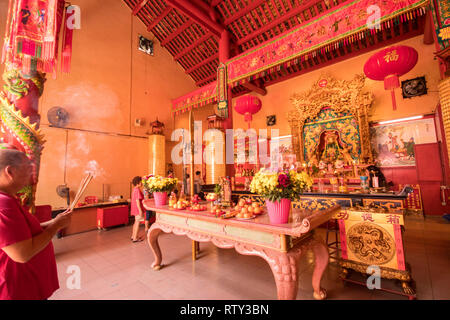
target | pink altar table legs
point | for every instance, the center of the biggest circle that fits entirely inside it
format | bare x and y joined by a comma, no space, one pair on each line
280,245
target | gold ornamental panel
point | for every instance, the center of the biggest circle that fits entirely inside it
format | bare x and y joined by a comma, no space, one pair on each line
371,243
444,95
341,96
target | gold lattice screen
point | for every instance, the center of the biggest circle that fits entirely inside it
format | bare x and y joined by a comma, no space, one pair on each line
444,94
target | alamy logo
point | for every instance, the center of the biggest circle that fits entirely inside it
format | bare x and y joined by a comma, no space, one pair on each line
220,146
74,17
374,281
74,280
374,19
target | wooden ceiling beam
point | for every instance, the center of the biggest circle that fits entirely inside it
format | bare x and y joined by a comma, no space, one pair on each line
159,18
255,4
206,80
215,3
253,87
202,5
139,6
177,32
206,61
193,45
198,15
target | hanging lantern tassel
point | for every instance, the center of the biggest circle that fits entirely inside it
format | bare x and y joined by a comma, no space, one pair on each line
391,82
248,117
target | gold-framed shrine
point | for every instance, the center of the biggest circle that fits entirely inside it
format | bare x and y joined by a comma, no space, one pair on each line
330,122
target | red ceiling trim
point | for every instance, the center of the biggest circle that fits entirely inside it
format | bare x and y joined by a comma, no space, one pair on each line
299,70
274,23
195,99
358,30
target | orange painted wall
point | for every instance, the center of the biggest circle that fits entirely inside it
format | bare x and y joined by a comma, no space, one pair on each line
277,100
111,84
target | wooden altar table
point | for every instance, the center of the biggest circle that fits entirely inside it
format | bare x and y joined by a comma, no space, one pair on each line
280,245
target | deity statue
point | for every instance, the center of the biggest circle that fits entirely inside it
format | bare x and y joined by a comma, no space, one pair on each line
312,158
347,157
331,151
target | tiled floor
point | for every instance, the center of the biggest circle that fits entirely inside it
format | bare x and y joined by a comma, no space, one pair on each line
114,268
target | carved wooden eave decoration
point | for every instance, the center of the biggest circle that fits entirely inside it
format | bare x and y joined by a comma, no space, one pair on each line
340,95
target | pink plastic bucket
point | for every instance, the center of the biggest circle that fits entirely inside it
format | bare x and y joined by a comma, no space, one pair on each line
160,198
279,211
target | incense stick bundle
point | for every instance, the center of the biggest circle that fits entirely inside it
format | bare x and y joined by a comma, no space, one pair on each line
83,185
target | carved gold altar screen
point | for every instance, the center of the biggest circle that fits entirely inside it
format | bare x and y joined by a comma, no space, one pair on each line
331,119
374,239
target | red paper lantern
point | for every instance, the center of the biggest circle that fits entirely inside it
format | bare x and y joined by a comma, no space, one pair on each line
248,105
389,64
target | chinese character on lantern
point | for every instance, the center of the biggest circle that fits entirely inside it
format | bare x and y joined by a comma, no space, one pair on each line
391,56
389,64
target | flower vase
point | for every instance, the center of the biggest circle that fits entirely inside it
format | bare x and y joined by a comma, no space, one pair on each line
160,198
279,211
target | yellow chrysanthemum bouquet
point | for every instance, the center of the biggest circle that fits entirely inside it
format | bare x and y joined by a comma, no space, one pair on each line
159,184
275,186
279,189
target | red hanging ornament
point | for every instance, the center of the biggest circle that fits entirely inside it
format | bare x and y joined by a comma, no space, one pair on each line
248,105
389,64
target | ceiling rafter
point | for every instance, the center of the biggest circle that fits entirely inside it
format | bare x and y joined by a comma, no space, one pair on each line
193,45
250,7
256,88
177,32
205,62
159,18
139,6
198,15
215,3
206,80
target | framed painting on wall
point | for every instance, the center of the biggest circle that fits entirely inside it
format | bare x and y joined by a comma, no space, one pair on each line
393,143
281,153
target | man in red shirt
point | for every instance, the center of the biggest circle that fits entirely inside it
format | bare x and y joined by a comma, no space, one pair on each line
27,259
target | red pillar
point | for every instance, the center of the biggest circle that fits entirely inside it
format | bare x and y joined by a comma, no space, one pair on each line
224,55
